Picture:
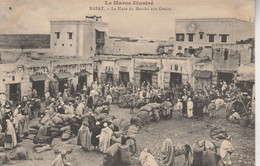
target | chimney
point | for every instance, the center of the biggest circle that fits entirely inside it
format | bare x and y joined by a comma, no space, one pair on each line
94,18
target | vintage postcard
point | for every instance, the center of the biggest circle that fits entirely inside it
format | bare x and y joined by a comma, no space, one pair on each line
127,82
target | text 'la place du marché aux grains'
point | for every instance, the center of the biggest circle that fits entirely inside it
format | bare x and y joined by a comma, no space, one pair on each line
129,3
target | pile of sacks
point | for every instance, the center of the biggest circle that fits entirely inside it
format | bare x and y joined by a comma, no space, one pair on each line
59,125
123,126
146,114
140,103
119,154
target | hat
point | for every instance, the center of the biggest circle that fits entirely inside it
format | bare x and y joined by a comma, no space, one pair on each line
189,99
97,123
105,124
179,99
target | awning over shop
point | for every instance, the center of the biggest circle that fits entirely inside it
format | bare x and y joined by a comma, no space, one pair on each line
83,73
202,73
63,75
249,78
109,72
150,68
39,77
246,73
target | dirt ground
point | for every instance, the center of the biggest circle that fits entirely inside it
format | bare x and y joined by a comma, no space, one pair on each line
151,137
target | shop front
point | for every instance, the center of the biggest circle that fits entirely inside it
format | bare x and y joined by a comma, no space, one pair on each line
146,72
225,75
124,75
62,81
82,78
38,83
202,79
14,91
175,72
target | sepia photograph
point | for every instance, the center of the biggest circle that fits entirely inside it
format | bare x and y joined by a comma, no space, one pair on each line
127,83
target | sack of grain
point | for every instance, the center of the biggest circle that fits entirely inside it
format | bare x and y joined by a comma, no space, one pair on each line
125,155
64,117
112,150
65,128
57,120
146,108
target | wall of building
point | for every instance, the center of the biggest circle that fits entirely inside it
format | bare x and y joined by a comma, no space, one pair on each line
130,48
125,65
83,42
237,55
26,66
64,46
89,37
17,73
73,68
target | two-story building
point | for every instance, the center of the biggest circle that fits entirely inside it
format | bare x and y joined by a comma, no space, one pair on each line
78,37
197,34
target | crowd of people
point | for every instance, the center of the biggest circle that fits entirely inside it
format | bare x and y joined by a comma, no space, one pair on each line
95,134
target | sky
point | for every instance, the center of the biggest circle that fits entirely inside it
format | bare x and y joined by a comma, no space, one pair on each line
34,16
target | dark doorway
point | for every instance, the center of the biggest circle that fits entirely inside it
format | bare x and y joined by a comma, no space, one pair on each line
15,92
227,77
39,86
146,76
124,77
81,81
175,79
95,76
109,78
62,85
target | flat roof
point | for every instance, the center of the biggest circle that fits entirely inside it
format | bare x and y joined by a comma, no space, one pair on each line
77,22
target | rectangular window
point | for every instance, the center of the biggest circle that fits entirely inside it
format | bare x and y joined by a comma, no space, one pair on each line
179,47
211,38
224,38
190,37
180,37
70,35
57,35
201,35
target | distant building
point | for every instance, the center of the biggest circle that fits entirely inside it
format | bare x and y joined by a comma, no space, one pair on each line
197,34
78,38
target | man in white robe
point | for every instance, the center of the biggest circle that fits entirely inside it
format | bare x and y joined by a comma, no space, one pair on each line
190,108
104,138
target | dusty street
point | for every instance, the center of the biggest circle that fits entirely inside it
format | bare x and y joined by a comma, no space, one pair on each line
151,137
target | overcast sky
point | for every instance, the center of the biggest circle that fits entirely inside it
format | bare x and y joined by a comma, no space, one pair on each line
33,16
